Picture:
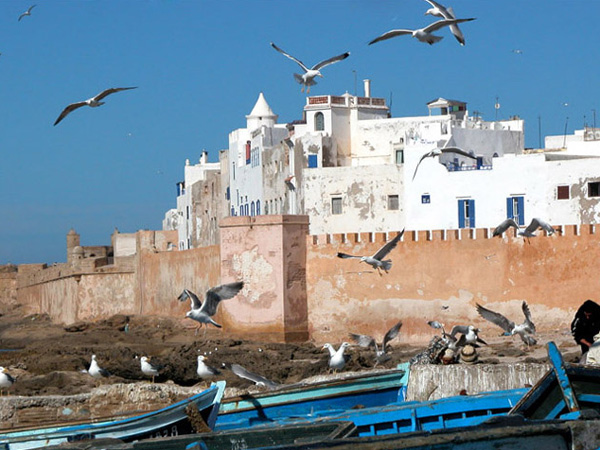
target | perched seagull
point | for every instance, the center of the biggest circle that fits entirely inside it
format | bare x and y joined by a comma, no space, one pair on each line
308,78
202,312
96,371
438,10
6,380
26,13
422,34
368,341
439,151
93,102
469,335
376,261
204,370
149,369
337,359
528,232
256,379
525,330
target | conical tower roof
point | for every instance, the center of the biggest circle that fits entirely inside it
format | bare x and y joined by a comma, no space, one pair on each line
261,109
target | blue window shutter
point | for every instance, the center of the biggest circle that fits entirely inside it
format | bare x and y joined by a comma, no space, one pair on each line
509,208
521,203
472,213
258,207
312,160
461,214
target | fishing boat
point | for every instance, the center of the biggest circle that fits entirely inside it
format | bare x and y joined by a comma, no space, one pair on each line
310,400
198,412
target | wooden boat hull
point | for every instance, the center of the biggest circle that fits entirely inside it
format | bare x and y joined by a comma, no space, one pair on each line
170,421
326,398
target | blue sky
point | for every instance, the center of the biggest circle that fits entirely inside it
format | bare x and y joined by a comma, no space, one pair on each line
199,67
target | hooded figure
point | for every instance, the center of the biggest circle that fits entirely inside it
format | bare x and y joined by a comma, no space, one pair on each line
586,324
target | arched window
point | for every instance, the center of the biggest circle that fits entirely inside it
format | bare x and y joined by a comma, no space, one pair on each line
319,122
258,207
267,208
252,212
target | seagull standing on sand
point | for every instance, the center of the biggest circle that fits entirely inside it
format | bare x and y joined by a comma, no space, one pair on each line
92,102
526,330
96,371
308,78
439,10
528,232
26,13
337,359
255,378
204,370
149,369
376,261
368,341
202,312
439,151
422,34
6,380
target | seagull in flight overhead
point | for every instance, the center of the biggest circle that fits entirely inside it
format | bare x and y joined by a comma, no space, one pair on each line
439,151
202,312
255,378
528,232
526,330
26,13
422,34
308,78
439,10
93,102
368,341
376,261
96,371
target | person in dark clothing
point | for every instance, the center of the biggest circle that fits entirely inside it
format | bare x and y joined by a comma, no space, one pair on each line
586,324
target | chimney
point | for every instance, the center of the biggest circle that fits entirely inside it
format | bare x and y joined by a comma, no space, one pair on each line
204,157
367,87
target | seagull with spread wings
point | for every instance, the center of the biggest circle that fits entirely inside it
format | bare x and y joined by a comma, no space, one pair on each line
337,358
469,335
255,378
526,330
528,232
92,102
422,34
26,13
202,312
366,341
440,151
308,78
376,261
439,10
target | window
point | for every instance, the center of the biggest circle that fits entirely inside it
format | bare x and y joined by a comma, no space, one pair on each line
515,209
562,192
312,161
594,189
336,205
258,207
252,210
466,213
393,203
399,156
425,199
248,144
319,122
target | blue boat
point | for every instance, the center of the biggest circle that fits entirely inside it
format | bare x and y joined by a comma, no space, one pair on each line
310,400
184,417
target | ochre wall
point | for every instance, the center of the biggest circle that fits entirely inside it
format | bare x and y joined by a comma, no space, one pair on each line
442,278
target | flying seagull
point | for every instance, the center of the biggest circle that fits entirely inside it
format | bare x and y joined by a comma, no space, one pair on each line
26,13
308,78
96,371
6,380
93,102
149,369
439,10
525,330
204,370
422,34
337,359
468,335
255,378
368,341
202,312
528,232
439,151
376,261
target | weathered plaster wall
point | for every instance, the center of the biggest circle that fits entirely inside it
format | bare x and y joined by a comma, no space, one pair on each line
553,274
269,259
8,284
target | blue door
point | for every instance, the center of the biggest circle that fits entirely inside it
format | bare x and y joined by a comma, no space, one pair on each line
466,213
515,209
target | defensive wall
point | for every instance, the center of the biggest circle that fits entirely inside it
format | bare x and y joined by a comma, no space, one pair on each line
297,289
